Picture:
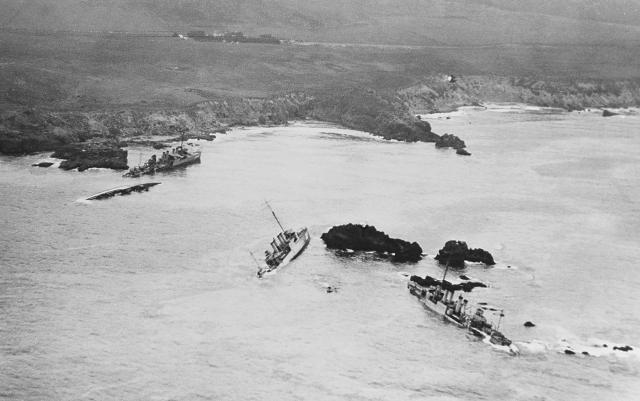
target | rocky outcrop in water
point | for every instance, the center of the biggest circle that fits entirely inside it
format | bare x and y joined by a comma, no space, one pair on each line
607,113
368,238
84,155
454,253
450,141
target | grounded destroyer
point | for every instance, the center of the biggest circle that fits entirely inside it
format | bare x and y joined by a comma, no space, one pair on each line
169,160
438,297
286,246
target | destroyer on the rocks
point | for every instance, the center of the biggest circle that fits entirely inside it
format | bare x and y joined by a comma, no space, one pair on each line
169,160
286,246
438,296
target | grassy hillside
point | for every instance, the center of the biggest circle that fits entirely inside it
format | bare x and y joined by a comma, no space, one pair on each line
72,72
79,82
417,22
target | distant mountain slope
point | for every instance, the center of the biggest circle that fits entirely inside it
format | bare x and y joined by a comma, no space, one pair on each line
431,22
612,11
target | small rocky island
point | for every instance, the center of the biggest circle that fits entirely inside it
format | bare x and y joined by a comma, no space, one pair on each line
367,238
452,141
455,253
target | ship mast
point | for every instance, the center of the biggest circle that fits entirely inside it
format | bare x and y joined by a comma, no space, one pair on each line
274,215
255,260
446,269
500,319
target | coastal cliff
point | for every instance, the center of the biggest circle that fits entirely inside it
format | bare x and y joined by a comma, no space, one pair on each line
386,113
37,130
435,93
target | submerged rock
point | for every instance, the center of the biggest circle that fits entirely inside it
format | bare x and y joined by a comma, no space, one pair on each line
368,238
84,155
455,253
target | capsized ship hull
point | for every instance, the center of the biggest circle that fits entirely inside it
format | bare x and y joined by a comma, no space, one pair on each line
122,190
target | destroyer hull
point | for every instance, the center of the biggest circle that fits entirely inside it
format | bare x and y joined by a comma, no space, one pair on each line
296,248
486,338
177,162
195,158
442,310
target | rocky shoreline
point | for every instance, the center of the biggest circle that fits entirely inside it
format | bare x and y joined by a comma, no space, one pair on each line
36,130
389,114
92,154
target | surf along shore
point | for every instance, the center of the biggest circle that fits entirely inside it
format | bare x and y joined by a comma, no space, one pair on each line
61,90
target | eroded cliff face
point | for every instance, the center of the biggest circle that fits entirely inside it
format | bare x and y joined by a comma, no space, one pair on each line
389,114
29,131
382,114
439,94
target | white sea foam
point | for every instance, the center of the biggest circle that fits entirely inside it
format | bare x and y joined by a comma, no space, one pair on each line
597,348
532,347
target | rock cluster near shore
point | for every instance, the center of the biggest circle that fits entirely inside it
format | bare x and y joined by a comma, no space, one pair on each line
455,253
450,141
367,238
99,154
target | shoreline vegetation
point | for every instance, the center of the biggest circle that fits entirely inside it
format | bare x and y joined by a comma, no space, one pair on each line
62,90
25,130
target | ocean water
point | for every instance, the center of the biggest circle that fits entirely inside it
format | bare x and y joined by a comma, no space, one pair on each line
154,296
